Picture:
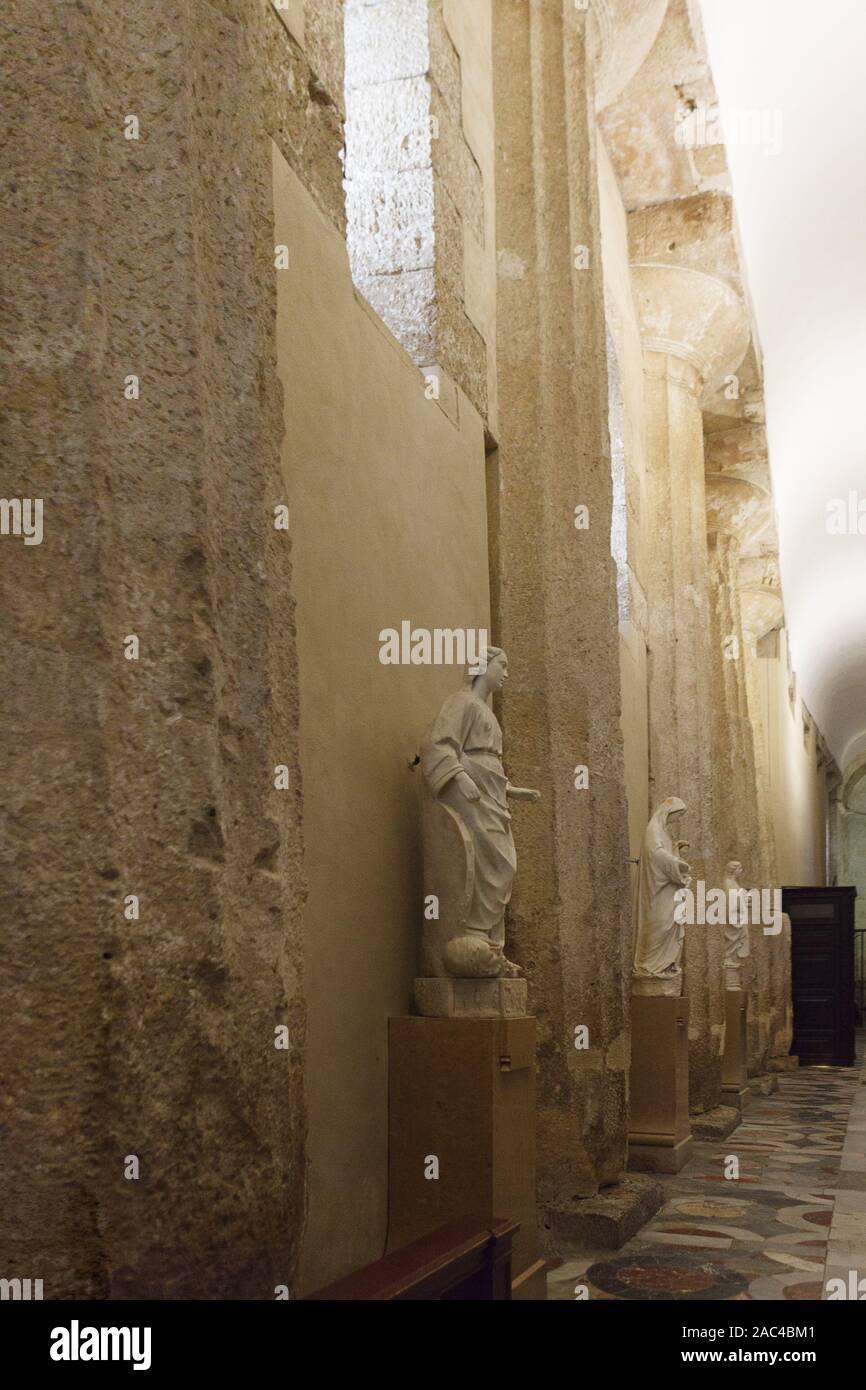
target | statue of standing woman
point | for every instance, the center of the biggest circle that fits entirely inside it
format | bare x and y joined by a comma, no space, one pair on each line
659,924
737,943
469,855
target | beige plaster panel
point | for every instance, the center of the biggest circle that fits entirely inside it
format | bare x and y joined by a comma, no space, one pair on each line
388,521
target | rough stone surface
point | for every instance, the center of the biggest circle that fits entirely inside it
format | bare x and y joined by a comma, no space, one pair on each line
734,760
154,1037
782,1064
607,1221
763,1085
301,103
716,1123
680,697
555,600
414,188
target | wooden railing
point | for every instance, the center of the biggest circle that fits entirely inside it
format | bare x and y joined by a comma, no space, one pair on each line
464,1260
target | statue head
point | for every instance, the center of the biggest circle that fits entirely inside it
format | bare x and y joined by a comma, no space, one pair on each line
733,869
671,809
494,674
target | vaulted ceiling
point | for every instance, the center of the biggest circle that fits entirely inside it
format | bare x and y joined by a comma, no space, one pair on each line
802,214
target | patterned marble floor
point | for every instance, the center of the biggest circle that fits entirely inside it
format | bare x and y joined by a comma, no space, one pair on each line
793,1218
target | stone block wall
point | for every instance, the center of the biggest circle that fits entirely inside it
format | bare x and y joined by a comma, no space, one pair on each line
146,412
414,189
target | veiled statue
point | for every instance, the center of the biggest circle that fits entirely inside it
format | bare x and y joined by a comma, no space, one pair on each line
738,945
659,922
469,855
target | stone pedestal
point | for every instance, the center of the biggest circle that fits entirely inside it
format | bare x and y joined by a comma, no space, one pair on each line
735,1088
437,997
462,1105
660,1137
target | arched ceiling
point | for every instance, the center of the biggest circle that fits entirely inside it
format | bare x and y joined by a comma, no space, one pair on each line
802,215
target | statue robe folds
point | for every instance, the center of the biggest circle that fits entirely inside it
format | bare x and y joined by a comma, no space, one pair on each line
659,927
469,855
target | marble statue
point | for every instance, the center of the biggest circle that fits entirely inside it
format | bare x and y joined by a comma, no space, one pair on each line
659,927
469,855
737,943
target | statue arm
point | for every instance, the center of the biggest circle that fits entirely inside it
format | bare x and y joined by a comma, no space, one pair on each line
522,793
676,870
442,749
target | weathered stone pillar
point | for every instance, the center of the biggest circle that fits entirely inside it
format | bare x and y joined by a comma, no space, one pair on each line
739,506
557,613
694,330
154,1131
738,514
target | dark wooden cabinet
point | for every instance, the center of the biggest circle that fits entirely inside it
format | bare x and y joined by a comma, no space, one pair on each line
822,973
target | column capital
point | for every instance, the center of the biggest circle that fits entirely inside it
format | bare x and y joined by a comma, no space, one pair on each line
692,316
737,507
625,32
742,451
761,603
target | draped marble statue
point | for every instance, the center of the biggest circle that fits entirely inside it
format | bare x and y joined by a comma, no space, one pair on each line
738,945
469,855
659,925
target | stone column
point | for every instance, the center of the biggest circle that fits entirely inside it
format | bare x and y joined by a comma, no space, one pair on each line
694,330
740,506
737,511
557,614
762,612
154,1133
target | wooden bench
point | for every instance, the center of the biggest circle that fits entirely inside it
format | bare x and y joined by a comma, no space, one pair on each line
461,1261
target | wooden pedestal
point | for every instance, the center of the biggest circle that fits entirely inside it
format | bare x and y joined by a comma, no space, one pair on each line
462,1092
735,1081
659,1135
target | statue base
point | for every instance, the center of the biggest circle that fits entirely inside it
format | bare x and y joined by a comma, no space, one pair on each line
462,1132
733,977
653,986
502,997
735,1077
660,1134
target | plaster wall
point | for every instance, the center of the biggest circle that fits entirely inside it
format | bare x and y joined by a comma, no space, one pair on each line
388,521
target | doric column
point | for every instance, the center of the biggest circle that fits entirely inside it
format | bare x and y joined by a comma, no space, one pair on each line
738,512
762,609
556,603
156,870
738,482
694,331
